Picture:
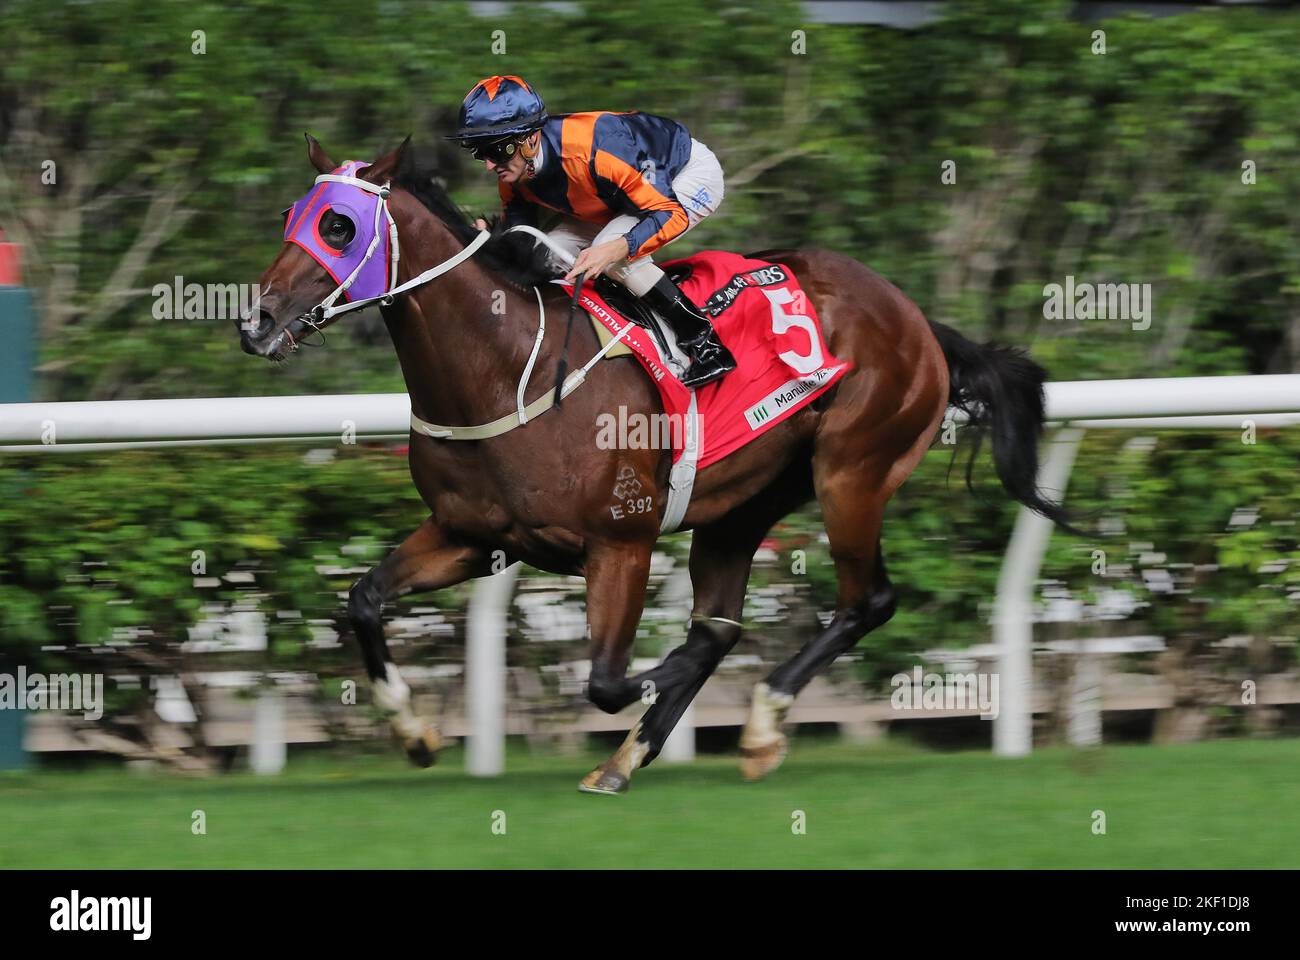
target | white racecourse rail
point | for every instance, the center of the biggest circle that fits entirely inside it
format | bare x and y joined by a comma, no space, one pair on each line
370,416
1184,402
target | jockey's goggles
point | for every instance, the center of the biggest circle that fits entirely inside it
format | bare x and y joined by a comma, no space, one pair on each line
498,151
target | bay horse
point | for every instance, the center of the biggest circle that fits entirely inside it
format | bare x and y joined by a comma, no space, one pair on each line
542,493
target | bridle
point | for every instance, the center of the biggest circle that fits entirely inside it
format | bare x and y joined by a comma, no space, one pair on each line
326,309
682,476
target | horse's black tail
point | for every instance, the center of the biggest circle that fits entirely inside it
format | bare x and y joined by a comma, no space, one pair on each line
1001,390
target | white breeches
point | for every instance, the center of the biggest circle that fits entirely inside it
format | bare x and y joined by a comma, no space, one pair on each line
698,187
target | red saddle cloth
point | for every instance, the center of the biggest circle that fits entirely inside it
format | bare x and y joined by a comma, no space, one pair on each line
769,324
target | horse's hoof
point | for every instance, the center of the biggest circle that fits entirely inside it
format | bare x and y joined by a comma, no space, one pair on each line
757,762
608,782
423,750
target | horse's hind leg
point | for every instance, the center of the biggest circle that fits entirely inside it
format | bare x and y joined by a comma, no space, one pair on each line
762,743
720,559
425,561
853,499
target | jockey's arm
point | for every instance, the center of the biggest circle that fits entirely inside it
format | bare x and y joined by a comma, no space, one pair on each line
663,219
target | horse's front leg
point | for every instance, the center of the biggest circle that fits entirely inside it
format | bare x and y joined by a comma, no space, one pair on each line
425,561
721,554
616,585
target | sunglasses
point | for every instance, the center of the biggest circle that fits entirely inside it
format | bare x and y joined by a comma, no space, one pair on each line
498,151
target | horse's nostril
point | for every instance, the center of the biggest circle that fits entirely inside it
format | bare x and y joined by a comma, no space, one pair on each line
255,333
256,326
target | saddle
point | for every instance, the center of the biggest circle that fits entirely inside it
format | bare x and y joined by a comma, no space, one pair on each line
636,310
632,308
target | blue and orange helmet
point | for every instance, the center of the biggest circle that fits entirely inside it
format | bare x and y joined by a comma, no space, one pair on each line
500,107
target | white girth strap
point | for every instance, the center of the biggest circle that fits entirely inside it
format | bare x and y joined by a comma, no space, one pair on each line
681,479
486,431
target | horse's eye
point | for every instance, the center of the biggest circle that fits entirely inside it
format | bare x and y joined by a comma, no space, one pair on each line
337,231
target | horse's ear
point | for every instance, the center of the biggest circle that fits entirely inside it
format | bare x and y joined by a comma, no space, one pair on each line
317,155
387,166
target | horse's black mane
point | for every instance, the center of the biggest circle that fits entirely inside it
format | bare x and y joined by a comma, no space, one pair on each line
515,256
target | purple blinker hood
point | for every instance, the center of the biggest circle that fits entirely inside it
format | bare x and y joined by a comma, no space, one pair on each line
303,228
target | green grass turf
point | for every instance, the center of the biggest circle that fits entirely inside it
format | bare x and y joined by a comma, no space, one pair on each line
1227,804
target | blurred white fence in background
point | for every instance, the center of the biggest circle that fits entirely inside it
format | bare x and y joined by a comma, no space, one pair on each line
1174,403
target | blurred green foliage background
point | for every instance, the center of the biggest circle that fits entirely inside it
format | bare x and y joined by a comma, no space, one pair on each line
1122,166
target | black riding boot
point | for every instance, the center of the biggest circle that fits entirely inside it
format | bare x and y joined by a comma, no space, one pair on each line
709,358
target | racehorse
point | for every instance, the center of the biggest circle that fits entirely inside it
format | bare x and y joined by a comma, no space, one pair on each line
462,310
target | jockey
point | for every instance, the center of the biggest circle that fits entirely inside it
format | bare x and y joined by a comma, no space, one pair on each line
625,185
